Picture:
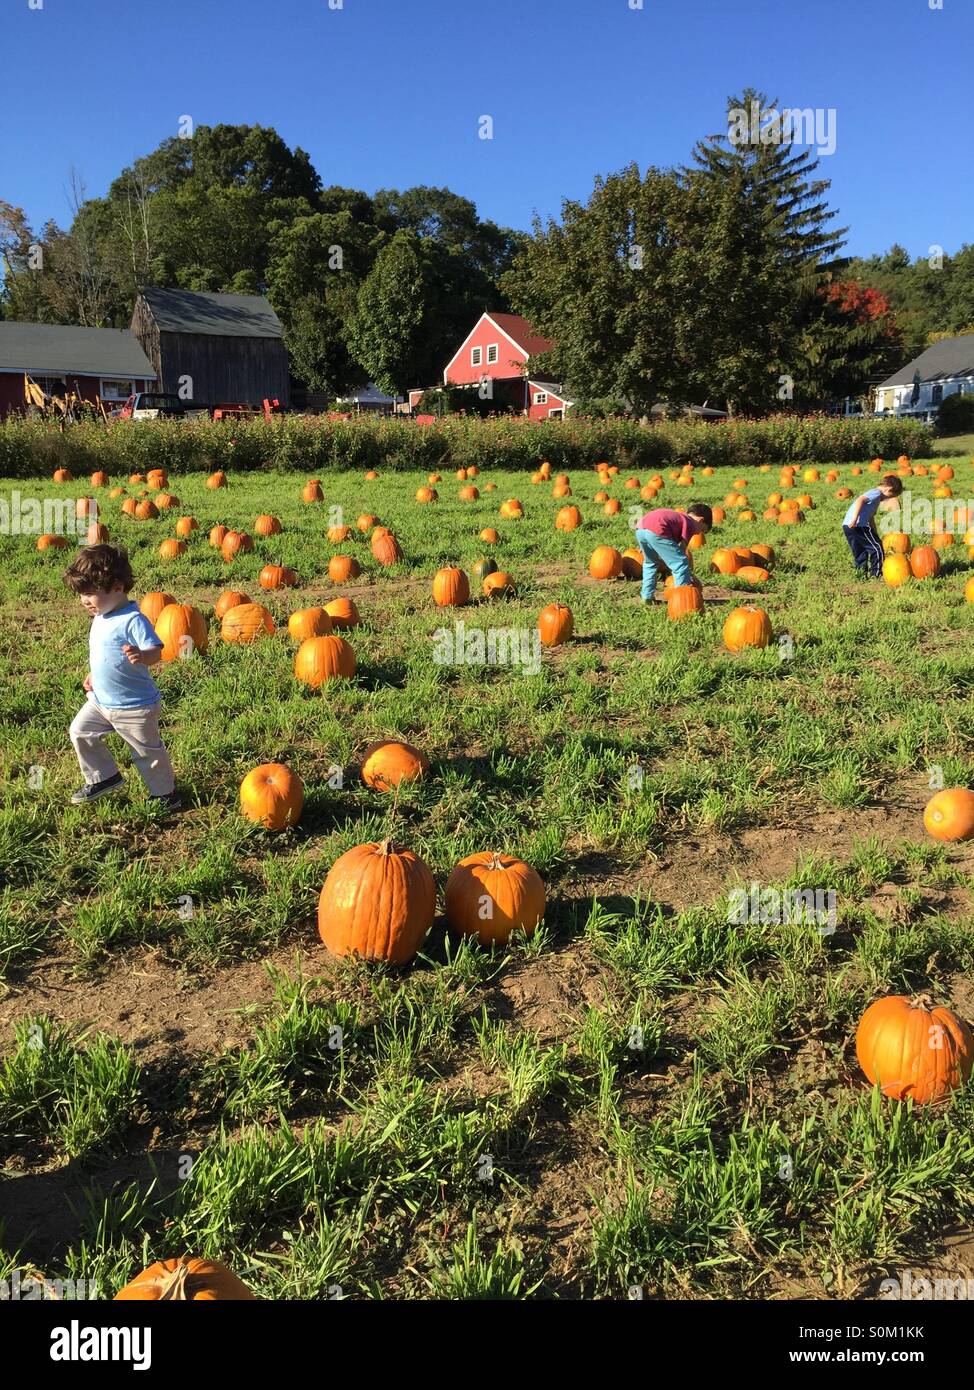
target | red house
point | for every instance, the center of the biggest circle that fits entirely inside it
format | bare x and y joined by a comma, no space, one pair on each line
504,350
106,363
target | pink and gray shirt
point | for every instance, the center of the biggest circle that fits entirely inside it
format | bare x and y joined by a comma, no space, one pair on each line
674,526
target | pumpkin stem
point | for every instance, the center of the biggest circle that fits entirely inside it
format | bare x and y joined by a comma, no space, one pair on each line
385,847
174,1285
921,1001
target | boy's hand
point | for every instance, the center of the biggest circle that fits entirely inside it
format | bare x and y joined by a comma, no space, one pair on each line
86,683
133,654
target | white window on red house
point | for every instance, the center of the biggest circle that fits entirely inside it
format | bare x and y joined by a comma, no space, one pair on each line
112,390
541,397
493,352
476,356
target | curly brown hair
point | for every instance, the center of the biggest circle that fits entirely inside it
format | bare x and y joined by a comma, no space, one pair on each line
893,483
99,568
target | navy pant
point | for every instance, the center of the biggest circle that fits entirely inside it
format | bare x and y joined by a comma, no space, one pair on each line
867,549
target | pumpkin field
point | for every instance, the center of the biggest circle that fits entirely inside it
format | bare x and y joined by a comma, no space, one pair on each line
595,1054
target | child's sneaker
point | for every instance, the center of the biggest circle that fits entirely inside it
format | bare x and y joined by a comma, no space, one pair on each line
91,791
172,801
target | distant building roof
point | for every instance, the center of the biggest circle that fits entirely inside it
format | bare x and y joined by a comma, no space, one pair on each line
523,334
950,357
366,395
53,349
224,315
554,388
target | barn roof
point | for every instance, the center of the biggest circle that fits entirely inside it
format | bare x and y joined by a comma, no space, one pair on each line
948,358
224,315
53,349
523,334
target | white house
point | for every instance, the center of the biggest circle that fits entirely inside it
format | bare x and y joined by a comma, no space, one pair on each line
947,367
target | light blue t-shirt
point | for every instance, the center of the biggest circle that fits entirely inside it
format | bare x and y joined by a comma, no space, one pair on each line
116,683
869,508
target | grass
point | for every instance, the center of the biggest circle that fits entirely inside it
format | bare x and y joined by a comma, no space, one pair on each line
650,1095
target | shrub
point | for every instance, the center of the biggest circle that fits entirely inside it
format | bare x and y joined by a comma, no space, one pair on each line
315,444
956,414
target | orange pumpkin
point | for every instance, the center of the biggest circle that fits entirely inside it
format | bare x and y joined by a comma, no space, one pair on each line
309,622
949,815
764,552
246,623
165,501
321,659
896,543
342,568
153,604
924,562
182,631
451,588
632,563
64,475
157,478
184,1279
500,584
385,548
217,479
913,1049
343,613
230,598
277,577
185,526
267,525
171,549
99,479
97,534
469,494
337,535
605,563
725,561
385,765
490,895
746,627
683,601
426,494
377,902
489,536
218,535
311,492
512,509
568,518
365,522
753,574
272,796
145,510
556,623
234,544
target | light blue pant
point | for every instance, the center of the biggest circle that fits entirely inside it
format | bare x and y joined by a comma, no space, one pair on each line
674,557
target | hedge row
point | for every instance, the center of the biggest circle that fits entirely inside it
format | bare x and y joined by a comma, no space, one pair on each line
34,448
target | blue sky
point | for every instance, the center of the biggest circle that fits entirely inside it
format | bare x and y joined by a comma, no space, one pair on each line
388,93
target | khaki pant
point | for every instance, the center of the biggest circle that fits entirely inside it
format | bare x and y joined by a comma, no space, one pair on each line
140,730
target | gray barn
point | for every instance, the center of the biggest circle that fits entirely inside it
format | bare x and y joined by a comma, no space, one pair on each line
230,346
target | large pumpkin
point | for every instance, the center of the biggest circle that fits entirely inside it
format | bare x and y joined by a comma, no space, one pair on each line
427,494
267,525
366,522
182,631
343,614
500,584
896,570
385,547
752,574
153,604
146,510
185,526
378,902
632,563
949,815
309,622
568,518
492,895
725,561
272,796
217,479
385,765
746,627
556,624
683,601
489,536
97,533
605,563
321,659
924,562
342,568
218,535
49,542
171,549
896,543
277,577
913,1049
337,535
311,492
230,598
451,588
235,543
246,623
184,1279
